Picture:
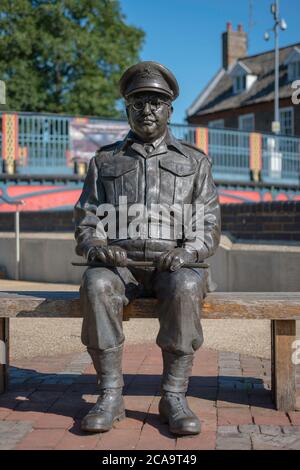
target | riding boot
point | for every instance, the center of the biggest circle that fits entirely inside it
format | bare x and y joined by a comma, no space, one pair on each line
173,406
110,405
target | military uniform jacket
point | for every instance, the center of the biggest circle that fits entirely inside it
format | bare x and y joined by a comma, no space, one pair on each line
173,174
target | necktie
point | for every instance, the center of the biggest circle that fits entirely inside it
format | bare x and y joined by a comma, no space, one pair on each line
148,148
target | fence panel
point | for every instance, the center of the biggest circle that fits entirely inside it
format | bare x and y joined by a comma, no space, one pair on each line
228,149
281,159
44,143
184,132
230,152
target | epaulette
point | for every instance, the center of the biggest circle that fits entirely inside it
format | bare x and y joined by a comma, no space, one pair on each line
183,142
106,148
187,144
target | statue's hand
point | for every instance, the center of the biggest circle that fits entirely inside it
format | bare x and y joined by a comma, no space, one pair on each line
173,260
110,255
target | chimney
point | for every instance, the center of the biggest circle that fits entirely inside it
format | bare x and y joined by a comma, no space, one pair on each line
234,45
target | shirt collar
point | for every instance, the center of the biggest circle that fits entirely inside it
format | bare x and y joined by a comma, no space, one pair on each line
167,138
172,142
131,137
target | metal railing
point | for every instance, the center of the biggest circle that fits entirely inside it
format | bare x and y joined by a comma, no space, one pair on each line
229,149
280,158
17,203
44,143
46,140
230,152
184,132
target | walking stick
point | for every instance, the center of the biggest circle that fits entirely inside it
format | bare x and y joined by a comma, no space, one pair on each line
138,264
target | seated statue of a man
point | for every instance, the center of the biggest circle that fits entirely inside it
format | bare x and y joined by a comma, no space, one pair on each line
149,168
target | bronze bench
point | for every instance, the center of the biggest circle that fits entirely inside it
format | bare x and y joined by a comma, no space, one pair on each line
282,308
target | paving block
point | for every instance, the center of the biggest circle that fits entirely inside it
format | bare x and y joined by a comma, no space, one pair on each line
235,416
53,421
291,429
156,436
264,442
12,432
231,442
278,418
230,364
119,439
225,430
39,439
6,426
224,355
230,372
295,417
270,430
248,428
203,441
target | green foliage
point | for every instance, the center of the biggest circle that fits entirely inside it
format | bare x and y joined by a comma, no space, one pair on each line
65,56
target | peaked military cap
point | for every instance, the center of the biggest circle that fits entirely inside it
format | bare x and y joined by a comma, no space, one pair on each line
149,76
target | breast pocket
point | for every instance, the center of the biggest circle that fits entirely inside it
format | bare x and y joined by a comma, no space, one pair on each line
176,181
120,178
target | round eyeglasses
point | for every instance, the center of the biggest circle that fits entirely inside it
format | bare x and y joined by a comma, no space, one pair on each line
154,103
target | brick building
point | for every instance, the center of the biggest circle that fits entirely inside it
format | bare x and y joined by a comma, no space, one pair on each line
241,94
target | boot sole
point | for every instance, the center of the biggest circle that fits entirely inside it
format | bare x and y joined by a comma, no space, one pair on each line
117,418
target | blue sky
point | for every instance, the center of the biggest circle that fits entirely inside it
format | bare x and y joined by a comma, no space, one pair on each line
185,35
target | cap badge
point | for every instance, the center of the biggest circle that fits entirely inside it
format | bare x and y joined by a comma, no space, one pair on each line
147,72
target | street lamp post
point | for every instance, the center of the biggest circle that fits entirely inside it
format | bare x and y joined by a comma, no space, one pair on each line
17,204
276,98
278,23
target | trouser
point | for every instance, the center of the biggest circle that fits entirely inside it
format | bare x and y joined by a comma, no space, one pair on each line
104,292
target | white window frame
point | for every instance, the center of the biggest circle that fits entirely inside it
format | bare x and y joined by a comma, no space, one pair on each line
218,123
242,77
243,117
284,110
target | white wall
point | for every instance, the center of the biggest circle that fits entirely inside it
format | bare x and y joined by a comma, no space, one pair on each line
235,267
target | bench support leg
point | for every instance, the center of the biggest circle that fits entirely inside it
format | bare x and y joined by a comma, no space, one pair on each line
4,353
283,334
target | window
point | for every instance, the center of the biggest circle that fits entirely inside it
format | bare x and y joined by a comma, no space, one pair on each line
239,83
247,122
242,77
216,123
287,121
294,70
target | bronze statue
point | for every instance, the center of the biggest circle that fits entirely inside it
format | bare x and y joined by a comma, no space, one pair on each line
149,167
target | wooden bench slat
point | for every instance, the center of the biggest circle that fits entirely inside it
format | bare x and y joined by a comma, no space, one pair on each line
222,305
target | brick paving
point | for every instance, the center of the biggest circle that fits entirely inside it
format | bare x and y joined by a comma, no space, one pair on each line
230,393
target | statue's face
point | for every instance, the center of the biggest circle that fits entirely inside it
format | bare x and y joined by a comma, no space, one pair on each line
148,114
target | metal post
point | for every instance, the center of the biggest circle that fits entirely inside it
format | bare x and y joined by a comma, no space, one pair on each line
278,23
276,100
16,203
17,240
